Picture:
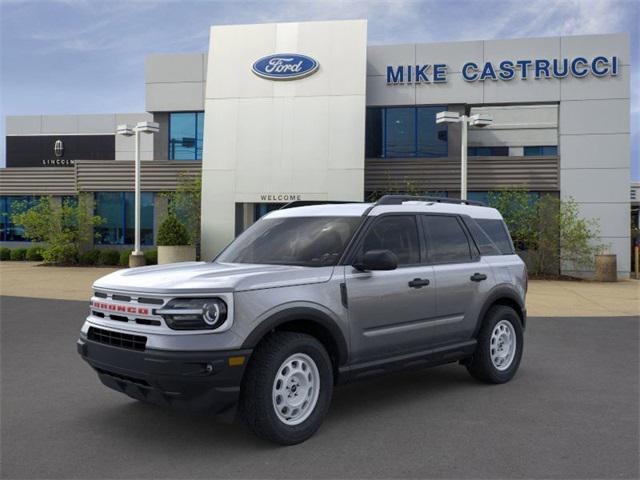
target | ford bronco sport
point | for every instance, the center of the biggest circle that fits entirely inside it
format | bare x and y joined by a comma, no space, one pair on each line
309,297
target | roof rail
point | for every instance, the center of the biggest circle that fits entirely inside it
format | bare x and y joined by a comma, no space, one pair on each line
399,199
306,203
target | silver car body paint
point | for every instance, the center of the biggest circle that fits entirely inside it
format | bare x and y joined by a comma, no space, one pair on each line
383,318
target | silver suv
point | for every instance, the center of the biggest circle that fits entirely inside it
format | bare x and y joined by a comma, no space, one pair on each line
310,297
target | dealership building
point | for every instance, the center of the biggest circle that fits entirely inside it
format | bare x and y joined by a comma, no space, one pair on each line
309,111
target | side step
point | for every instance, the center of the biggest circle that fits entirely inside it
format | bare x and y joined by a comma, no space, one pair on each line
421,359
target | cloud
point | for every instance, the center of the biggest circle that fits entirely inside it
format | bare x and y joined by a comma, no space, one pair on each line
65,56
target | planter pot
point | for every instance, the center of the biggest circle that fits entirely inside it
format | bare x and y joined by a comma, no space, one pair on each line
606,268
176,253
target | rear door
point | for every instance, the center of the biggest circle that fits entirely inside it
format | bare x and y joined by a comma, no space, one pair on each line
389,311
462,278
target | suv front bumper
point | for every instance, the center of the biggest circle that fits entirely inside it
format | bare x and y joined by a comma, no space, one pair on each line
198,381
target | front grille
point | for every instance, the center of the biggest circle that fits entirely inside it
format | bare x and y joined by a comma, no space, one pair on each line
117,339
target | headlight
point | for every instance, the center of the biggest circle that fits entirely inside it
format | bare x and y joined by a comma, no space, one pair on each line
194,313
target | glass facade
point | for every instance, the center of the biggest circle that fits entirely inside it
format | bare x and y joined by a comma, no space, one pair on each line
117,209
541,151
405,132
488,151
185,135
8,206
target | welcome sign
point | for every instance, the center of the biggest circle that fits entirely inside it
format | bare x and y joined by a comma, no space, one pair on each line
506,70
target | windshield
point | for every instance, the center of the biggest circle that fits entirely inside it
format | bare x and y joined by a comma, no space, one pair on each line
303,241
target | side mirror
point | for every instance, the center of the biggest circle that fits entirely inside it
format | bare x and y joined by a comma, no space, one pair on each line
377,260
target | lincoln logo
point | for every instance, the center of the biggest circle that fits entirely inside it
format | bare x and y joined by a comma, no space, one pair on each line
58,148
285,66
110,307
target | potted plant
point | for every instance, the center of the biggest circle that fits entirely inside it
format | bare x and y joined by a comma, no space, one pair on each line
173,242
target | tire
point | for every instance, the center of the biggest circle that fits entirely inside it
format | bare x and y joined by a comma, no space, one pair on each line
309,380
491,362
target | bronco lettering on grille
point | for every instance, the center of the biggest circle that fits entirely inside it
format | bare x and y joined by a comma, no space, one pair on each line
110,307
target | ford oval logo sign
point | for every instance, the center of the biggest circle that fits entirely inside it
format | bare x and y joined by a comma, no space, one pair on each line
285,66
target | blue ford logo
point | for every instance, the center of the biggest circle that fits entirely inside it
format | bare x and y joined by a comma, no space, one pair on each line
284,66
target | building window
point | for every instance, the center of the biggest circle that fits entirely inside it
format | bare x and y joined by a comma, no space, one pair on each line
488,151
117,209
541,151
185,135
9,232
405,132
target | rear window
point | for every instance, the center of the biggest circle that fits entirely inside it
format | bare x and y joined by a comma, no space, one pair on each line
497,232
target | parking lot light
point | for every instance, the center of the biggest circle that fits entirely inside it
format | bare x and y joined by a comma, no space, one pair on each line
477,120
136,259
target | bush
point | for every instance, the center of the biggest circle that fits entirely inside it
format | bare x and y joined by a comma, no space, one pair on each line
63,227
18,254
90,257
5,254
34,254
151,257
61,254
109,257
124,258
172,232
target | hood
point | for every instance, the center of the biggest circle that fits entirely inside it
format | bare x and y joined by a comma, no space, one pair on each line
204,277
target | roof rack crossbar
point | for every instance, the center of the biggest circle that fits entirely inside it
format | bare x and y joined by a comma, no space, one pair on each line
306,203
399,199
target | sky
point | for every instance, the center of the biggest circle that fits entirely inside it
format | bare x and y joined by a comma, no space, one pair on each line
87,56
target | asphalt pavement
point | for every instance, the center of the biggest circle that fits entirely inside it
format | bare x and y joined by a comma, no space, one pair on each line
572,411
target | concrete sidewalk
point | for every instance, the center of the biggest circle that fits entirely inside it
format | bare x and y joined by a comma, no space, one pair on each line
546,298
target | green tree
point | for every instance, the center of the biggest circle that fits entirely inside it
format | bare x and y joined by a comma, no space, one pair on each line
64,227
548,232
184,203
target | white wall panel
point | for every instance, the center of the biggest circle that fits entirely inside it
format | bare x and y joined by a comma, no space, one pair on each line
594,117
595,151
302,137
592,185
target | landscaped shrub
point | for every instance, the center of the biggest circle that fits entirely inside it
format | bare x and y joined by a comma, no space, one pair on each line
172,232
124,258
90,257
18,254
34,254
64,228
5,254
109,257
61,254
151,257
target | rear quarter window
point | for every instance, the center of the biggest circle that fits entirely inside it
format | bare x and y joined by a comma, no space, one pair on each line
497,231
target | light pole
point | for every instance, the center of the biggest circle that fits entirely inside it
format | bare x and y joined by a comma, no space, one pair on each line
477,120
136,259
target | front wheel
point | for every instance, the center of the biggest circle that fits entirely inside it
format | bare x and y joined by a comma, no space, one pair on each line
287,388
500,342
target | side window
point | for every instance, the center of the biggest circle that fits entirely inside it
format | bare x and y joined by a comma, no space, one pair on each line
484,243
497,232
447,242
398,234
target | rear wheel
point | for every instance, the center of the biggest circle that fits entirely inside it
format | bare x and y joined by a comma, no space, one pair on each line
500,342
287,388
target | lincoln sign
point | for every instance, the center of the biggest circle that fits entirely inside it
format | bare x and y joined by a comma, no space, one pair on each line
506,70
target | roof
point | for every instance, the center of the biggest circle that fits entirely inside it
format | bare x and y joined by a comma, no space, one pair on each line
358,209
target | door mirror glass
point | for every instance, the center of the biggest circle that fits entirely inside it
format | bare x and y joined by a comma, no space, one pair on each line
377,260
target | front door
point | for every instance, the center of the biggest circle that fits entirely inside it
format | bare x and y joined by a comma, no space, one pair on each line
389,311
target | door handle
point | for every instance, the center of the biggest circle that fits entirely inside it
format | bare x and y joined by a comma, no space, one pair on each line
478,277
419,283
